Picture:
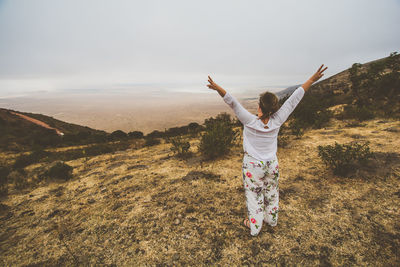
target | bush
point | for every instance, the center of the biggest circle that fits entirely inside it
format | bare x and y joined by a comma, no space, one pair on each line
283,140
135,134
4,171
117,135
152,141
95,150
180,146
34,157
361,113
154,134
18,178
312,111
297,128
322,118
59,170
219,136
194,128
345,158
22,161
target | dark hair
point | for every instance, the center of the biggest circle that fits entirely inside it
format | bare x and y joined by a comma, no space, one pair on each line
269,104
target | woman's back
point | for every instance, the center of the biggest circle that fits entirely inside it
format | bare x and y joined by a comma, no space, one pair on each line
261,140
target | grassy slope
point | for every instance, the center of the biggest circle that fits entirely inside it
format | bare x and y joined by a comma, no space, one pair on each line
120,208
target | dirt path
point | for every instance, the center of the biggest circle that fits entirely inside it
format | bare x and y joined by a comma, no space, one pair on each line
38,122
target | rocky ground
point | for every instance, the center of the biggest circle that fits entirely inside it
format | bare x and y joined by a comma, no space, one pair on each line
146,206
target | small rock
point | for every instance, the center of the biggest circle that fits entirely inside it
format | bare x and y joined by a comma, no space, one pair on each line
116,206
53,213
180,216
176,257
177,221
392,129
91,200
139,166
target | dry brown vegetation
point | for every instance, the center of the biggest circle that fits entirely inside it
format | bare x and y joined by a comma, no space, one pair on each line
145,206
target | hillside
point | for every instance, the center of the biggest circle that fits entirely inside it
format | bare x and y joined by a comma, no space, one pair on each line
68,128
146,206
287,92
18,134
378,80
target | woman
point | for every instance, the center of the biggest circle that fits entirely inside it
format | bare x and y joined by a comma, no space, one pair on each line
260,138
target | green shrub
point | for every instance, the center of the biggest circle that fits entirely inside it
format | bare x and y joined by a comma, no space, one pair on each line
34,157
312,111
155,134
22,161
283,140
219,136
95,150
135,134
361,113
152,141
344,158
4,172
194,128
117,135
18,178
180,146
322,118
59,170
297,128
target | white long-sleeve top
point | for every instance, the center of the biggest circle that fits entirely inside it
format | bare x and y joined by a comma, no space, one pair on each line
258,141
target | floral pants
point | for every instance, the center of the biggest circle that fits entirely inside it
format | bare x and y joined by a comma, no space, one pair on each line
261,186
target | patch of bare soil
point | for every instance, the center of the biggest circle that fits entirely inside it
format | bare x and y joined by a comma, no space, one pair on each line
146,206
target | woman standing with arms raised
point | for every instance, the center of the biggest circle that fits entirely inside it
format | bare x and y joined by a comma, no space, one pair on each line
260,138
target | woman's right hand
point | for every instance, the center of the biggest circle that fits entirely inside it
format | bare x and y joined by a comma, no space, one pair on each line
216,87
212,84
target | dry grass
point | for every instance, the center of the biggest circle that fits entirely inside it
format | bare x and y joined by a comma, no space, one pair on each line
145,206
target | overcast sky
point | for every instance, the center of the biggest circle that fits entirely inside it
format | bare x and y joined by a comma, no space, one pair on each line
53,44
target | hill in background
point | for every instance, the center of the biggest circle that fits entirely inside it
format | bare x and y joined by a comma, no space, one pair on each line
18,134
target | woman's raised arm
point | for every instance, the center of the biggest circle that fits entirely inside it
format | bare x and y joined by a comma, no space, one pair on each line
290,104
241,113
316,76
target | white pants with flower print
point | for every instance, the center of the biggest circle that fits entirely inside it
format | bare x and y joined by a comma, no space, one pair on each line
261,186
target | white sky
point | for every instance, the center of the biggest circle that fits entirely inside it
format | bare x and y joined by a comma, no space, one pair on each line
71,44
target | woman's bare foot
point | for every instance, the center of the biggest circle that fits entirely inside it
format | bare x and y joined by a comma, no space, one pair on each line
246,223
